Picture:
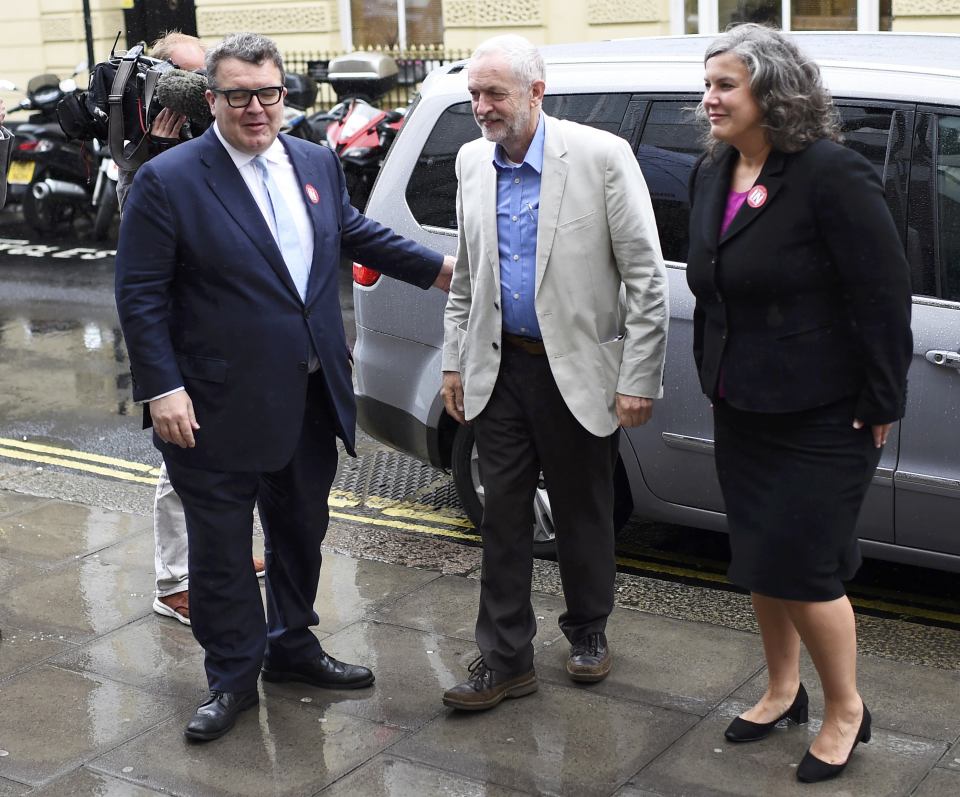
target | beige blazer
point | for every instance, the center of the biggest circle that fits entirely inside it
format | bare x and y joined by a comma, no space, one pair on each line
601,286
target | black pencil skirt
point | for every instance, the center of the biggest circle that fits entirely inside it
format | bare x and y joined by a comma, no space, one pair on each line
793,484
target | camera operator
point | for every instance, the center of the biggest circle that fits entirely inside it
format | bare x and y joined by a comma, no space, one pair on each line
169,528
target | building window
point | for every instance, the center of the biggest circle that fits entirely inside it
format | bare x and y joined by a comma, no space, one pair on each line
402,23
711,16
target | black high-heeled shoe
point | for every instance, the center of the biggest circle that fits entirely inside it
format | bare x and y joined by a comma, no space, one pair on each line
812,770
741,730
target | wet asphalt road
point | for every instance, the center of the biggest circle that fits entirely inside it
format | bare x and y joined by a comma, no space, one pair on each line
65,378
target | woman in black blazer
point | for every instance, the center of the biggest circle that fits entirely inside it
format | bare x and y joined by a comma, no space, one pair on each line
802,342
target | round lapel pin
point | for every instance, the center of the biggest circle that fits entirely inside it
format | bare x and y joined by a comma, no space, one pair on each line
757,196
312,193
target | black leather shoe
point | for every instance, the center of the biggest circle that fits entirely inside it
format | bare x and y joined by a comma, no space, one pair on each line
741,730
813,770
323,671
590,659
218,714
486,688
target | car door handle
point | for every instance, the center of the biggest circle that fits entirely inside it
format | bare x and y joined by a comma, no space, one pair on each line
949,359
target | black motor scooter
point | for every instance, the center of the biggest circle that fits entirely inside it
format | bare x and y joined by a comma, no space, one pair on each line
49,175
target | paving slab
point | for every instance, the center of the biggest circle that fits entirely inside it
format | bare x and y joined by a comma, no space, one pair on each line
56,531
939,783
388,776
902,697
85,598
9,788
281,748
54,720
11,502
951,759
156,653
21,648
670,663
448,606
412,669
85,783
559,740
704,764
351,588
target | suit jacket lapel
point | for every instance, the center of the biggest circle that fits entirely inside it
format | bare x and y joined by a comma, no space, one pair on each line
229,187
770,179
488,215
552,180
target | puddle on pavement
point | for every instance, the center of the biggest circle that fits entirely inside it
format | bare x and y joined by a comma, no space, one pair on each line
60,364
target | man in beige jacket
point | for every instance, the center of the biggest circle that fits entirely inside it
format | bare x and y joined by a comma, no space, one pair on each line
554,338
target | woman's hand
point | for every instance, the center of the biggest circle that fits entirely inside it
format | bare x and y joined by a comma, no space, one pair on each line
880,431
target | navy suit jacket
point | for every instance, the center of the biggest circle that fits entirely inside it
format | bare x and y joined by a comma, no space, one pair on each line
805,299
206,301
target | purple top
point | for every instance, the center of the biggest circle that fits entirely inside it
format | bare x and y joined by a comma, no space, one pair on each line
734,201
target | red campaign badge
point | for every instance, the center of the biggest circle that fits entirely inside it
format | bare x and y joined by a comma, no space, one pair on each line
757,196
312,193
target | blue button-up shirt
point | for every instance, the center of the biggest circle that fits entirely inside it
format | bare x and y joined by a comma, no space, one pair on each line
518,208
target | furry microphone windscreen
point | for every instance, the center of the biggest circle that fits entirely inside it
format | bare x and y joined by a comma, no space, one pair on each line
183,92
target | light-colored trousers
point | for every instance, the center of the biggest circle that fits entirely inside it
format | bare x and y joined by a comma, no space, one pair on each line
170,536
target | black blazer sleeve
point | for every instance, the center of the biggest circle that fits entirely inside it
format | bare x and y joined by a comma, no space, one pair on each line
864,247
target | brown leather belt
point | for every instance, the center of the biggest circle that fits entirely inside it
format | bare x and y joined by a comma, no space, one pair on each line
529,345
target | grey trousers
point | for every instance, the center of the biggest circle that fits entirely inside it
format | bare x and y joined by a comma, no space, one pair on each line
526,427
170,537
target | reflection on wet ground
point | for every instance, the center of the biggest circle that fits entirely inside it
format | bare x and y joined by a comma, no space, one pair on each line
49,363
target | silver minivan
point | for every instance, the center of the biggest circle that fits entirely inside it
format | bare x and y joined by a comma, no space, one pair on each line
899,98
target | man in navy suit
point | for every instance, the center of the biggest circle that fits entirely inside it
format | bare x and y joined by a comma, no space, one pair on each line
228,297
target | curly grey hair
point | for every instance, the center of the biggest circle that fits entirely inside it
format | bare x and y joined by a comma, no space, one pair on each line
797,108
251,48
525,60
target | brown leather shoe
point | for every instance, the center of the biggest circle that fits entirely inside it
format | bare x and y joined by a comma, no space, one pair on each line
176,606
259,567
485,688
590,660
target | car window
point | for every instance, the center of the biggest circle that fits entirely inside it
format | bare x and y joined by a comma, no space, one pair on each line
432,190
948,204
669,146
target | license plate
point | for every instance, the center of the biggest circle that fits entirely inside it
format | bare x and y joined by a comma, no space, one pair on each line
21,172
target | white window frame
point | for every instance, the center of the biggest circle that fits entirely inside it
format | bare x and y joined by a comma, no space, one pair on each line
868,15
346,24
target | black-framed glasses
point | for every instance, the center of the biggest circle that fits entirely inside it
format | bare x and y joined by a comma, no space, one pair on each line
240,98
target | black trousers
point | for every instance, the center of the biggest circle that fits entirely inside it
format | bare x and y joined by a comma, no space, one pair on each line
226,610
525,427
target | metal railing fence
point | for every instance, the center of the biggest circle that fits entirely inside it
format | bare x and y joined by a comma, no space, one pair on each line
414,64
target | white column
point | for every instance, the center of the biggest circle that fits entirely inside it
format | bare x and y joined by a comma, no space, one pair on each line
677,17
868,15
346,25
709,16
785,15
402,23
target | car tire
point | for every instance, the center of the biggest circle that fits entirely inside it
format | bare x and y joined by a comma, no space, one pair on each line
468,481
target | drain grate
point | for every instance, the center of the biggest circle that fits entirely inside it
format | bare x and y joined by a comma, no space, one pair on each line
389,474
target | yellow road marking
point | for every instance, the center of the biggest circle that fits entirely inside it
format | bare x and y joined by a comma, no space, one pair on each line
398,524
81,466
82,461
81,455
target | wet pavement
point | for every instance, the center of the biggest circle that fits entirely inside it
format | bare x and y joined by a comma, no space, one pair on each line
95,688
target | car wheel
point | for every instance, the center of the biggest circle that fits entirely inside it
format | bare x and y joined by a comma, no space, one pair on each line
468,480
